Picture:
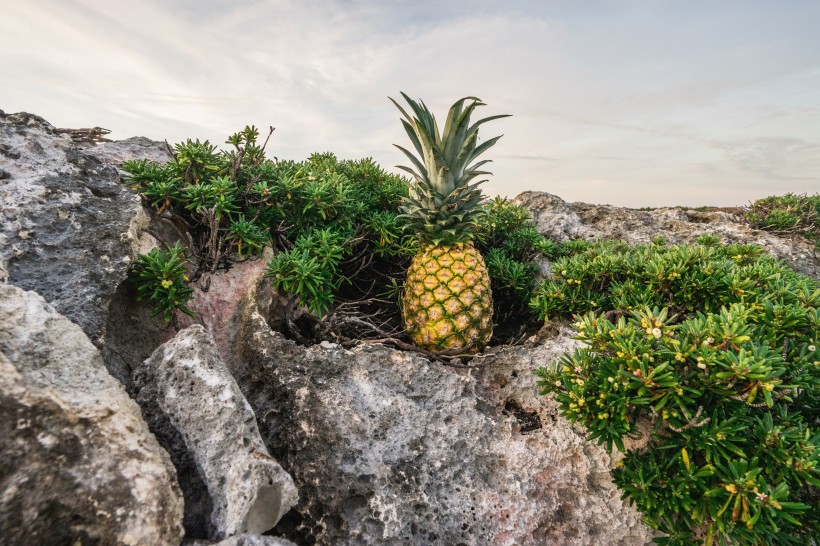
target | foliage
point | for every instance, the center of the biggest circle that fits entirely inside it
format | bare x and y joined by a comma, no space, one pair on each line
787,214
334,226
236,203
714,349
611,275
310,269
160,278
506,236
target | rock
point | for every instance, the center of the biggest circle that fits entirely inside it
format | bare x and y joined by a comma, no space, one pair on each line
68,226
389,448
78,464
216,307
132,334
119,151
189,396
244,540
564,221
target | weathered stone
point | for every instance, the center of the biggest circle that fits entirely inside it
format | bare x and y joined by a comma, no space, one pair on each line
243,540
185,388
564,221
78,463
119,151
389,448
132,334
68,227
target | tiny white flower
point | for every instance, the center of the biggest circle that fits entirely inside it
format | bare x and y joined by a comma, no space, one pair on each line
656,332
702,365
558,383
812,348
610,379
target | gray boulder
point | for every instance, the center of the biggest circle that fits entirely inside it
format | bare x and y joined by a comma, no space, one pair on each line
78,464
243,540
389,448
68,226
197,410
564,221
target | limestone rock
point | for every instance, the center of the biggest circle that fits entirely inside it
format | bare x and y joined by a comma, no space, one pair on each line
389,448
68,226
244,540
78,464
188,395
566,221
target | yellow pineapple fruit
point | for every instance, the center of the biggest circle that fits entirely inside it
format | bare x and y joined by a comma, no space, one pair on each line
447,301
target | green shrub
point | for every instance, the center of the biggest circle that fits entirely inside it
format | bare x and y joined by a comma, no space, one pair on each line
235,203
334,226
160,278
715,350
506,236
611,275
708,239
787,214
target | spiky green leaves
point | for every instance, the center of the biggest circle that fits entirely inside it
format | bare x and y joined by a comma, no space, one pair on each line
160,278
715,350
444,202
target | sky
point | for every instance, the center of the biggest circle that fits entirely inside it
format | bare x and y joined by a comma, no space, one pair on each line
632,103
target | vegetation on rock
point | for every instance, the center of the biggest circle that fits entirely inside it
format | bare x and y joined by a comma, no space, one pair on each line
787,214
160,278
714,350
336,230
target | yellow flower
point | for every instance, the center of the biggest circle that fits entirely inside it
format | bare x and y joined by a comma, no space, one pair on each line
166,284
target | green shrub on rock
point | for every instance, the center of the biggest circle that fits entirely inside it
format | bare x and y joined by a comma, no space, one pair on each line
160,276
334,226
511,246
712,352
787,214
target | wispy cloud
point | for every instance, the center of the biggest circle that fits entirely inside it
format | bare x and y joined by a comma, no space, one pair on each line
630,103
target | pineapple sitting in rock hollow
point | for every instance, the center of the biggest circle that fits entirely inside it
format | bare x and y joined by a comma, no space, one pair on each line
447,302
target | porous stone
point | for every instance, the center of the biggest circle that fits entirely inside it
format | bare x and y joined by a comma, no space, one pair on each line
243,540
197,410
78,464
68,226
562,221
389,448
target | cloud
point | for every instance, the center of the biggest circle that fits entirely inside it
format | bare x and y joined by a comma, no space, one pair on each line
770,156
673,101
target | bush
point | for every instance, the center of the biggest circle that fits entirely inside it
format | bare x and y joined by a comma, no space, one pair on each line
611,276
787,214
511,246
335,228
160,278
330,223
715,349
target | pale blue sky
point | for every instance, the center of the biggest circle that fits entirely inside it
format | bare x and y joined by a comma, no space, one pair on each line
632,103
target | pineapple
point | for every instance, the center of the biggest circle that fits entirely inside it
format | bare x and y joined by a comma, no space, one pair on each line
447,302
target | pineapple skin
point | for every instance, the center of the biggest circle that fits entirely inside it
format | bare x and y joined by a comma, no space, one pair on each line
447,302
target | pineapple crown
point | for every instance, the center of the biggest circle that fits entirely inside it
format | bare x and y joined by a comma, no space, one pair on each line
444,201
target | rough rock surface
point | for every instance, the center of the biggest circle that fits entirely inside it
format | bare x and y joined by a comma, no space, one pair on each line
389,448
68,227
185,388
78,464
565,221
132,334
243,540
